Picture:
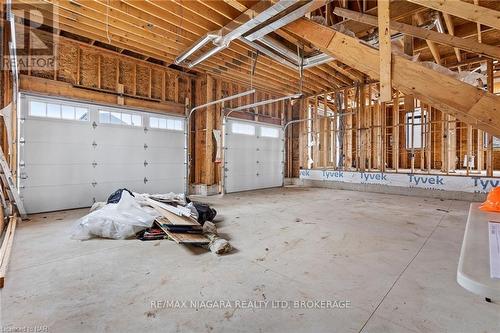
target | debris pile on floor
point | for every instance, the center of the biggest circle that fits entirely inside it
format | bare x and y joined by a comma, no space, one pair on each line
153,217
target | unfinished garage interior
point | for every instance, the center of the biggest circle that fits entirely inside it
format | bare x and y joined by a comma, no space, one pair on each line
250,166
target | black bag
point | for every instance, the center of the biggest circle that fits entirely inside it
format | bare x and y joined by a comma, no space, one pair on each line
115,197
205,213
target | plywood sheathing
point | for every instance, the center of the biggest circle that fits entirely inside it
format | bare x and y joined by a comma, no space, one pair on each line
143,80
88,68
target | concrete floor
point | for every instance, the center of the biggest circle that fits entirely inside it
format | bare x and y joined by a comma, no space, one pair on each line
393,257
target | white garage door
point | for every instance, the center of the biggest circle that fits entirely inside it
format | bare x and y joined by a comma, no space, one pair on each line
254,156
72,154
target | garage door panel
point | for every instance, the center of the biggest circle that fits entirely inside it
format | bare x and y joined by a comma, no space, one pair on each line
119,135
55,153
50,198
165,170
165,186
242,141
86,162
105,154
103,190
170,184
165,155
56,174
52,131
270,146
238,164
274,158
253,161
236,183
268,177
119,172
164,138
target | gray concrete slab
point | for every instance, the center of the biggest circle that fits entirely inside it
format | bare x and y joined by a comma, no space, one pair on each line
393,257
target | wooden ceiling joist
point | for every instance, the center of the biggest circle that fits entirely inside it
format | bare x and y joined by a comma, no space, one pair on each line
467,103
138,34
432,46
445,39
137,37
190,11
161,30
467,11
241,73
448,20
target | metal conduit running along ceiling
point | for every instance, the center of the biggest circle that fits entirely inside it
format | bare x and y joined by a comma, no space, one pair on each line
261,19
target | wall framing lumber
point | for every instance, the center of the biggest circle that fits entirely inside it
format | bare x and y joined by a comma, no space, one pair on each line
469,104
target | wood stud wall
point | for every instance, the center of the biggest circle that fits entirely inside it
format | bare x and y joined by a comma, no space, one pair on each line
375,136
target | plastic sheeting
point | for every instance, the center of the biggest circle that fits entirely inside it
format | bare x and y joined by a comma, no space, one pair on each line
472,78
116,221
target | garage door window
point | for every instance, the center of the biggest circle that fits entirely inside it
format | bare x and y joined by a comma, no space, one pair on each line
269,132
119,118
242,128
57,111
166,123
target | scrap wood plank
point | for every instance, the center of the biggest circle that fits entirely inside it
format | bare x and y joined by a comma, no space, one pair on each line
174,219
179,210
184,238
165,221
7,247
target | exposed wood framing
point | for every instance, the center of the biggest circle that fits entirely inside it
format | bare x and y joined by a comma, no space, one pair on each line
385,51
464,10
432,46
459,99
451,30
458,43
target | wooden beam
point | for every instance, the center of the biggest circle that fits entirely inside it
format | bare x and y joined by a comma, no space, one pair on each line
432,47
451,30
430,35
469,104
479,35
385,51
468,11
209,166
347,147
58,88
